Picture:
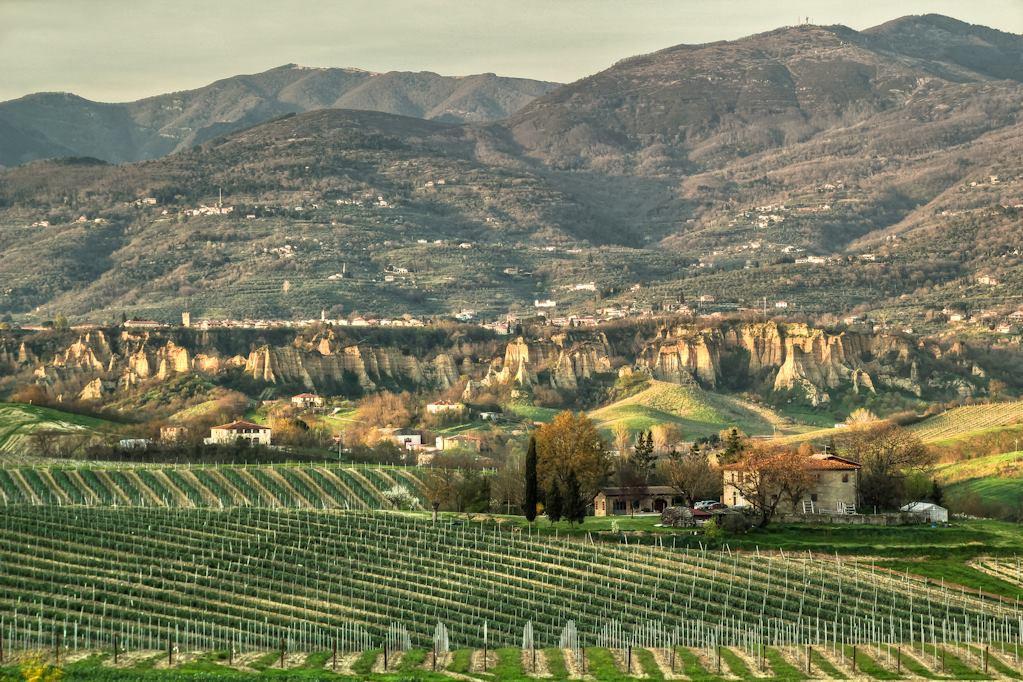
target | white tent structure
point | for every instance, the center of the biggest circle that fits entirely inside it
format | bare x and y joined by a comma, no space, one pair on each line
928,510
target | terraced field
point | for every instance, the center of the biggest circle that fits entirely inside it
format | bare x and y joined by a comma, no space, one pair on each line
246,579
959,422
962,421
1008,569
305,486
696,412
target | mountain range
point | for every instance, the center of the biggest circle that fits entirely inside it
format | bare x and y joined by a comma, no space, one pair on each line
45,125
819,168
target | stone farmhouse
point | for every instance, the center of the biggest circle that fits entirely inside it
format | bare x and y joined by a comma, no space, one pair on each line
835,487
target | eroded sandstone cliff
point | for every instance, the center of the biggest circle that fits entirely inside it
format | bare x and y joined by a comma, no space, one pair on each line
770,357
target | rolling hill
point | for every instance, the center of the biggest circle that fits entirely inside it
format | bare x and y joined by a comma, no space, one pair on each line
45,125
698,413
19,421
988,486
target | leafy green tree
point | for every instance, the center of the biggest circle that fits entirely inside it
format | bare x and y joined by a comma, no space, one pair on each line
571,443
532,492
734,447
643,457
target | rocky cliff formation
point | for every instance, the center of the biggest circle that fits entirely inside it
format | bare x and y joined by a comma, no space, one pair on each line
814,364
785,357
562,362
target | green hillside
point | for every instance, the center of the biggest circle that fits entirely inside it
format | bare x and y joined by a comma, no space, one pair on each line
697,412
989,486
19,421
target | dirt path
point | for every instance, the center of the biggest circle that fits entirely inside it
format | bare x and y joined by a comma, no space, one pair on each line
52,485
315,487
542,669
264,494
177,493
208,496
356,501
148,493
283,481
237,496
26,489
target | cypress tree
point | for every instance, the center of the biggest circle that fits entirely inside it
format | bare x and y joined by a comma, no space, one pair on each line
575,505
532,496
555,503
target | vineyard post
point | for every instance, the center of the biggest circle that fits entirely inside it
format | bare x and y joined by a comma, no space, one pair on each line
763,662
385,656
718,651
282,653
115,649
582,652
435,655
533,649
335,656
629,665
1,648
854,658
809,652
170,651
484,655
986,653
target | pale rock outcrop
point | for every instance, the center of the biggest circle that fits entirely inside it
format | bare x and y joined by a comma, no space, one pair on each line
94,391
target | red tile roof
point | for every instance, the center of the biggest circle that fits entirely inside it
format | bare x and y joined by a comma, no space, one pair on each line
240,425
817,463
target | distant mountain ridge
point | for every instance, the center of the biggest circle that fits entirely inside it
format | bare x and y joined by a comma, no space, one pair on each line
46,125
826,169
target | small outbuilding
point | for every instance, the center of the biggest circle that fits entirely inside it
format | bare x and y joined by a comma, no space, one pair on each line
933,513
641,500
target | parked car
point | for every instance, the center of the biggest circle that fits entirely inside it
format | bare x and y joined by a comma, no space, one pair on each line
709,505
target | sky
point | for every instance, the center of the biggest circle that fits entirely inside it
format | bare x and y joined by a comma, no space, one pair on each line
120,50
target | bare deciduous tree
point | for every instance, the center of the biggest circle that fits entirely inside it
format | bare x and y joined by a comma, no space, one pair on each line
693,476
767,474
888,453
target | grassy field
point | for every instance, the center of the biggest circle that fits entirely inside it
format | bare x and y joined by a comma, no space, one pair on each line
19,421
696,412
771,664
994,482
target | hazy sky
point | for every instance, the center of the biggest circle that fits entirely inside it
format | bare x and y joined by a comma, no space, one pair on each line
116,50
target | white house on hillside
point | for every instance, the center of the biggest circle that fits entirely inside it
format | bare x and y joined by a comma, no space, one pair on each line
228,434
